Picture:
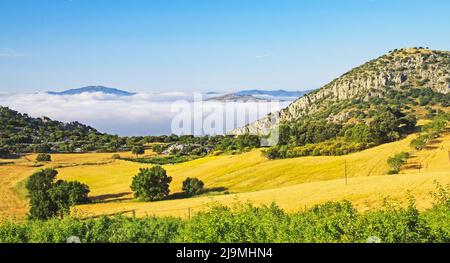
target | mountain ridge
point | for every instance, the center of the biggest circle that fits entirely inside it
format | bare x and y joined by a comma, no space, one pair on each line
92,89
395,72
256,95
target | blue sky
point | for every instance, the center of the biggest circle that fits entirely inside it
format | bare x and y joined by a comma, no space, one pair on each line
189,45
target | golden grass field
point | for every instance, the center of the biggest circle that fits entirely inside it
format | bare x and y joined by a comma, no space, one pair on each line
292,183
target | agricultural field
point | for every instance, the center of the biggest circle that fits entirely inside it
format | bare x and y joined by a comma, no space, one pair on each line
293,184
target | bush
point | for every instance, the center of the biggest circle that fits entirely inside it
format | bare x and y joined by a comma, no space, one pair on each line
48,199
43,157
138,150
115,156
162,160
66,194
192,186
151,184
328,222
396,162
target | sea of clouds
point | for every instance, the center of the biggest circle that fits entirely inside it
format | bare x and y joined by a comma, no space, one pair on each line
142,113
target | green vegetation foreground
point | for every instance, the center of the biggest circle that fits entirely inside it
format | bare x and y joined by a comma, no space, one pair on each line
329,222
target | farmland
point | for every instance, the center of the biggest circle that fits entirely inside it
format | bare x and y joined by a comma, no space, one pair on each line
292,183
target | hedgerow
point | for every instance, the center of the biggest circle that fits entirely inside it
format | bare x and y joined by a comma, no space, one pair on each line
328,222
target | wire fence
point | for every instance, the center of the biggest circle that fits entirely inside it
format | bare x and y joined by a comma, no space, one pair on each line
187,211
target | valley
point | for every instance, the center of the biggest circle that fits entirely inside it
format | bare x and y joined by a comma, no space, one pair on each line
248,177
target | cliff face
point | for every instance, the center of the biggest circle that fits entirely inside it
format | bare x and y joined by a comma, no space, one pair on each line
398,70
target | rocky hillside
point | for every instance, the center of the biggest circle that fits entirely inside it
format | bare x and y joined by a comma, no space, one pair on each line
398,72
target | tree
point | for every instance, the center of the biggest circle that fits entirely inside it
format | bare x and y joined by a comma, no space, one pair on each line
360,133
38,185
192,186
151,184
48,199
138,149
44,157
396,162
66,194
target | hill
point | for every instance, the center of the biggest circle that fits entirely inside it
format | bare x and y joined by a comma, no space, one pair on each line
20,133
92,89
408,79
292,183
272,93
260,95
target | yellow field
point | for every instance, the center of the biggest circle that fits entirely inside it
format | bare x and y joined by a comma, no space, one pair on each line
13,202
291,183
13,197
363,192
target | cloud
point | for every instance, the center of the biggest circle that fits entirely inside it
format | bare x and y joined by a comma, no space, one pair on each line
140,114
10,53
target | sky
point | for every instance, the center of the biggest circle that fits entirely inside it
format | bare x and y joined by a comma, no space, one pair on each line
204,45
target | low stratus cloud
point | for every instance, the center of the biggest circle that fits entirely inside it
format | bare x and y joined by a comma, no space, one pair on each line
140,114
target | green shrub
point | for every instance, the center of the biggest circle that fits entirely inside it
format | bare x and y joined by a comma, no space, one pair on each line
49,199
151,184
138,150
396,162
328,222
192,186
43,157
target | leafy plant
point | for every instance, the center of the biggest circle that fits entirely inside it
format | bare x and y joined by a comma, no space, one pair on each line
43,157
151,184
192,186
48,199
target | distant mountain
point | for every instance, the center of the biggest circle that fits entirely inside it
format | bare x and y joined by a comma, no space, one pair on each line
92,89
273,93
260,95
233,97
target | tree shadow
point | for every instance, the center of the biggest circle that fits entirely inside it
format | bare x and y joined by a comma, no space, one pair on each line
412,166
182,195
107,198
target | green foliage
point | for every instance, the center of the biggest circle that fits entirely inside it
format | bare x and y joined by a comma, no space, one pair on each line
329,222
192,186
44,157
421,141
49,199
66,194
99,230
20,133
431,131
395,162
315,138
138,150
359,133
151,184
162,160
239,143
307,131
159,148
332,147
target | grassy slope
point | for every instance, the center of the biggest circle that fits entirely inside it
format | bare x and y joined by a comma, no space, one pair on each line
293,183
13,202
241,173
13,198
364,192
